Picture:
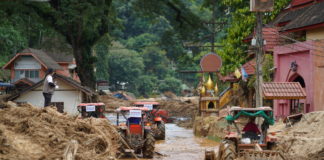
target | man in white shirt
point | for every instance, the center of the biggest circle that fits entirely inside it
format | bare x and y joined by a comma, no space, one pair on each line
48,87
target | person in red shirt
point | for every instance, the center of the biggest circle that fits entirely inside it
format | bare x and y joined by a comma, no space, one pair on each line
251,127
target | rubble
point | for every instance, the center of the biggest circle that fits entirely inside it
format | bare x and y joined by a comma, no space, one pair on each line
27,132
304,140
113,103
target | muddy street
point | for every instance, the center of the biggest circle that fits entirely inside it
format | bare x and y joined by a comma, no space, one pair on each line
180,144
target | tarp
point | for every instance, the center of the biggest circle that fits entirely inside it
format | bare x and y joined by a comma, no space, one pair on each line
268,119
6,84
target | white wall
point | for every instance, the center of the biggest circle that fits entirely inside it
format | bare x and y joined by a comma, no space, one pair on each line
65,93
27,62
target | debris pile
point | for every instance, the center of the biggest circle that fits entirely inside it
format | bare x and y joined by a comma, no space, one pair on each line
27,132
304,140
112,102
184,110
180,108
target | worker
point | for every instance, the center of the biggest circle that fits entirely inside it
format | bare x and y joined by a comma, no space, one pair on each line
251,130
48,87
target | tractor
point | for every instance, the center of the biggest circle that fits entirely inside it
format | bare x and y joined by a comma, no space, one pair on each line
88,110
136,136
250,143
156,117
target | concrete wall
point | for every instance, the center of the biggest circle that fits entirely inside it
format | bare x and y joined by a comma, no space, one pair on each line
283,56
65,93
315,34
318,56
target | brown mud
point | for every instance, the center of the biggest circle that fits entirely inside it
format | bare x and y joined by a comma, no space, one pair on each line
181,144
30,133
304,140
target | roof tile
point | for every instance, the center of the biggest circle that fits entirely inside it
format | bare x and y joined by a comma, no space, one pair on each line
283,90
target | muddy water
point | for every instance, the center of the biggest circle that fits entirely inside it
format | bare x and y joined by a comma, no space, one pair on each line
181,144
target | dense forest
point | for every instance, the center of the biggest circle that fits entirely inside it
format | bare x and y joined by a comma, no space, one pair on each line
140,43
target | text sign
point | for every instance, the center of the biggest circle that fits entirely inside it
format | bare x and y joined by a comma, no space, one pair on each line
90,108
149,106
135,113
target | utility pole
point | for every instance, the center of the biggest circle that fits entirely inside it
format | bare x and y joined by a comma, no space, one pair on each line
259,59
213,27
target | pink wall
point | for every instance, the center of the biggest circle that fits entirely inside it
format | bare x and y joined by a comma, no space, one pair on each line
283,56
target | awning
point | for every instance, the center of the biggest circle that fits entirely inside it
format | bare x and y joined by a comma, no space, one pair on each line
283,90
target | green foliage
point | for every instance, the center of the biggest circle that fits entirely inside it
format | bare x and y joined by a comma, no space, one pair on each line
170,84
101,50
156,63
267,68
146,84
138,43
124,66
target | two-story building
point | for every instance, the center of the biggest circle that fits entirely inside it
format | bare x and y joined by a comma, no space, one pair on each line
28,69
296,40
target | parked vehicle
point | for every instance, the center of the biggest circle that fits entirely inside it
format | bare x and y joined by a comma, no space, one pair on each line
135,132
156,117
92,110
247,143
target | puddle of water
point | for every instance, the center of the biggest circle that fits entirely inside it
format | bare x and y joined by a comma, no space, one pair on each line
181,144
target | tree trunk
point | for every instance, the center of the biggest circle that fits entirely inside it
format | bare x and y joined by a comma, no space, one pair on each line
85,66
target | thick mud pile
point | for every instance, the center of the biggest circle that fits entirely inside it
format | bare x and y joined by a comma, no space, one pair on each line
304,140
185,109
113,103
28,132
180,108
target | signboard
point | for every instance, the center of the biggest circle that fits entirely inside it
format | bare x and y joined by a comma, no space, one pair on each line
135,113
261,5
90,108
210,63
149,106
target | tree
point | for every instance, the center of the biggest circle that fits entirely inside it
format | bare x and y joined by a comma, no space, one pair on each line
82,23
102,66
124,66
170,84
146,85
156,63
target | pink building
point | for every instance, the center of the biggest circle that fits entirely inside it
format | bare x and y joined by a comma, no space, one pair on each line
300,57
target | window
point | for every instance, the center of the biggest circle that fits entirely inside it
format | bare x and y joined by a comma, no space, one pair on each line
32,74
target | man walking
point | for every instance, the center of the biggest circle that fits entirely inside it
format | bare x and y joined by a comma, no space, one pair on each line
48,87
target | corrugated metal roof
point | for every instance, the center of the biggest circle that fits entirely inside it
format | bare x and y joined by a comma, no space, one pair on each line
311,15
283,90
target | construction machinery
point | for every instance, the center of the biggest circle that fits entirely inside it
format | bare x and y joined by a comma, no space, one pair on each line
92,110
246,144
137,136
156,117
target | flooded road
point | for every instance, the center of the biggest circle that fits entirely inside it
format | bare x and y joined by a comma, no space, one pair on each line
181,144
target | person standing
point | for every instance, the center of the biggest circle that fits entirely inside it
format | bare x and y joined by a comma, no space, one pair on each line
48,87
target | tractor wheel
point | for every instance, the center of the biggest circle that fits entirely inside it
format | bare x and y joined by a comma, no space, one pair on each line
227,150
161,128
121,145
148,148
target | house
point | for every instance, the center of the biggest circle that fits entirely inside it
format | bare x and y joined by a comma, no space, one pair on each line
66,98
29,66
300,55
28,69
